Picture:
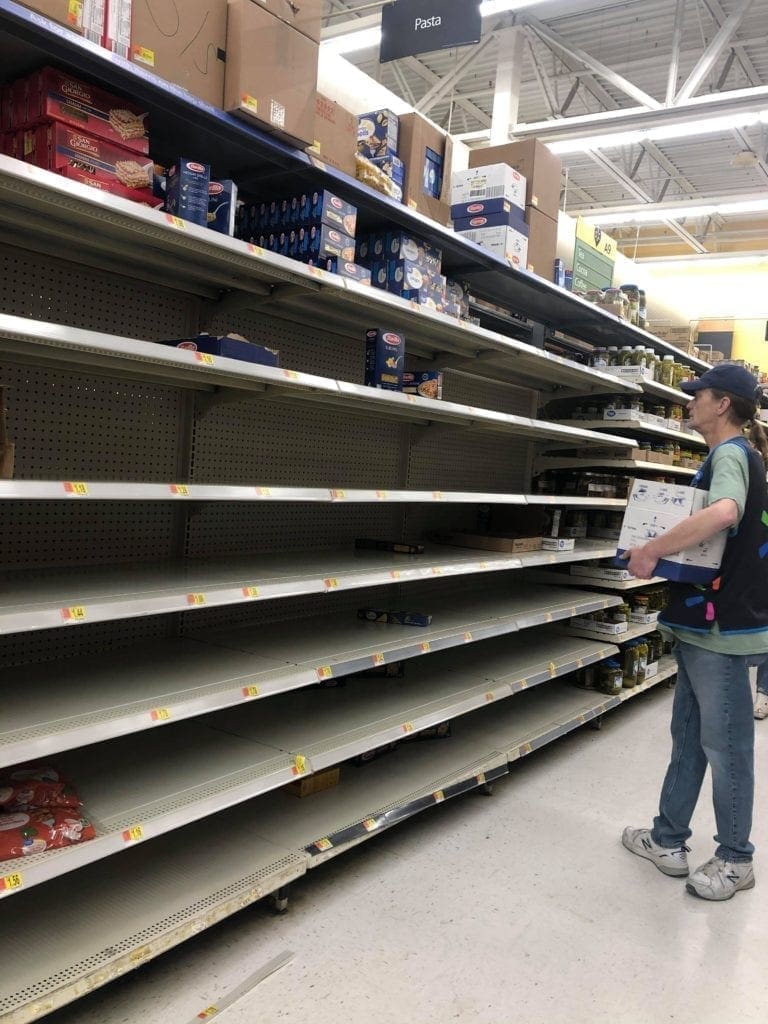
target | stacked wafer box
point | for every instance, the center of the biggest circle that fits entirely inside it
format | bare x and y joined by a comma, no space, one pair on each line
84,133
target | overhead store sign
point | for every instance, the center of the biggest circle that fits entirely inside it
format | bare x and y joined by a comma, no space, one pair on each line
409,27
593,258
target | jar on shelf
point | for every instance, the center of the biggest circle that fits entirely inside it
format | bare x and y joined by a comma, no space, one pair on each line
594,295
642,310
586,677
660,411
667,371
641,646
617,614
599,358
678,373
639,357
640,604
610,677
625,356
630,664
613,355
651,360
676,412
632,293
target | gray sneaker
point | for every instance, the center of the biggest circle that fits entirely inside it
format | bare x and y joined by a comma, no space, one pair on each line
761,705
720,880
669,860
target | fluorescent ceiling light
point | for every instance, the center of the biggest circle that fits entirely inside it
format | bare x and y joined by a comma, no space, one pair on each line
658,216
489,7
684,130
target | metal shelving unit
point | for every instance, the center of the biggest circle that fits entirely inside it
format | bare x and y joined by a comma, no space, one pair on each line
140,500
555,462
563,579
637,427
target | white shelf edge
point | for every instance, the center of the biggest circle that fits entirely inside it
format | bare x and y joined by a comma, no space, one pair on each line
544,462
639,427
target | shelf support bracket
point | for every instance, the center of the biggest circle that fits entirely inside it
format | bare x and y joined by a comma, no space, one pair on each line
224,396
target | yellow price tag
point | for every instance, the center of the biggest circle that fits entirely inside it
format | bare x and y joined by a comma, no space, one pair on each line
437,495
160,714
196,599
369,824
180,489
264,492
75,613
323,844
480,779
436,570
325,672
331,584
290,374
523,684
299,764
255,250
338,495
208,1012
250,592
177,222
133,834
439,796
10,882
425,647
490,696
525,749
72,487
407,727
250,691
467,638
552,669
394,575
382,495
205,357
378,658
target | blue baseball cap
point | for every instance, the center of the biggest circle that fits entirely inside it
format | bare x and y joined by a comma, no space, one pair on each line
726,377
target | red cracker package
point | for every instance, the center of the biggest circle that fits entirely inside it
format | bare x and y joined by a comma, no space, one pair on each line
27,832
33,786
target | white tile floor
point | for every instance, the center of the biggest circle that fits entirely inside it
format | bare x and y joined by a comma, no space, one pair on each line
523,906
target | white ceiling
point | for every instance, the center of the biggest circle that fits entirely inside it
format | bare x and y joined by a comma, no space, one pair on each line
632,39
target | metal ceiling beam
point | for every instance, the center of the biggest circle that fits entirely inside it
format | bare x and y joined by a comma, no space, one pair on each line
509,73
546,92
614,78
441,88
429,76
673,204
712,54
677,38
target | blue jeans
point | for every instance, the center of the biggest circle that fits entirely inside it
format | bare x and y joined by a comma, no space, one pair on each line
760,662
711,724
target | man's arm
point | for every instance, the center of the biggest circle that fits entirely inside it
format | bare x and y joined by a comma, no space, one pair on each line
705,523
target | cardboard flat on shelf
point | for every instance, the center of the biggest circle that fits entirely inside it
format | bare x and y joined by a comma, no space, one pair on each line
488,542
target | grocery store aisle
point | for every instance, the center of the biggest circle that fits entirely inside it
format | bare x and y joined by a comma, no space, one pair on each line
523,905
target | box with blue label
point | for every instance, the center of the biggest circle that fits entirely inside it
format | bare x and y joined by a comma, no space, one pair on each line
371,248
392,166
512,217
496,181
432,173
405,274
325,208
187,191
222,201
327,241
378,134
404,246
231,346
345,268
427,383
652,509
384,354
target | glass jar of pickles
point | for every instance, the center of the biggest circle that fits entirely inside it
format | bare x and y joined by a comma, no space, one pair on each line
630,664
667,373
610,677
641,646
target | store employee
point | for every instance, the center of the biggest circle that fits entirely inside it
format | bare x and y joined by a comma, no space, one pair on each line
716,627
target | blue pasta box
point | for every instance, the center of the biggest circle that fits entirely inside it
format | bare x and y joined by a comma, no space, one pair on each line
222,203
352,271
426,383
380,274
371,248
432,173
378,134
187,191
231,346
327,241
404,246
392,166
384,354
403,275
511,217
325,208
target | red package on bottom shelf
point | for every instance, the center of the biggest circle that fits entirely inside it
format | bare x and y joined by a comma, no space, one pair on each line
26,832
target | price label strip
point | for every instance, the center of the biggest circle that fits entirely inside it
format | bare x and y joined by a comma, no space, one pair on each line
75,613
160,714
250,691
229,999
73,487
181,490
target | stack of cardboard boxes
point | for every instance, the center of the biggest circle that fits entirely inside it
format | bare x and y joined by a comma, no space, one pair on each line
542,171
488,208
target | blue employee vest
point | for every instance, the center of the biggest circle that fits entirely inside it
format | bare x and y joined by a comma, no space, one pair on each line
737,600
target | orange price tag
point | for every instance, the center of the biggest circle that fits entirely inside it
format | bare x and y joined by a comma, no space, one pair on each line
316,271
71,487
369,824
208,1012
250,691
323,844
250,592
75,613
160,714
325,672
290,374
331,583
180,489
377,659
134,834
177,222
196,599
10,882
205,357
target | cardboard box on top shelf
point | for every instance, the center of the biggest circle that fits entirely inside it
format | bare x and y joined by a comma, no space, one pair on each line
277,90
541,168
542,242
86,17
304,16
419,140
335,138
186,47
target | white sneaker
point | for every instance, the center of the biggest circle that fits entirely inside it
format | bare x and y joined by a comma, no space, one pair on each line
720,880
761,705
670,860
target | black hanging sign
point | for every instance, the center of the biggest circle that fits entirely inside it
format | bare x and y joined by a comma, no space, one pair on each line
409,27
